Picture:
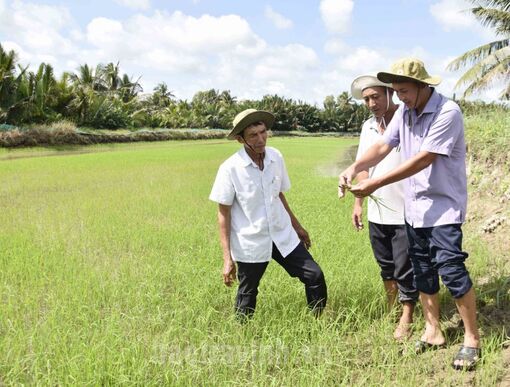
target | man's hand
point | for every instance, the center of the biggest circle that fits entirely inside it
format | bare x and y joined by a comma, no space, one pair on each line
364,188
304,237
357,217
229,271
345,181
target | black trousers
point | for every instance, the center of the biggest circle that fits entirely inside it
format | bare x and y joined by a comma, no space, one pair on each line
390,246
299,263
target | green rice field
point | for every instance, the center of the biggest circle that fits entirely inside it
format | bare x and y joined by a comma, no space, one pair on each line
110,274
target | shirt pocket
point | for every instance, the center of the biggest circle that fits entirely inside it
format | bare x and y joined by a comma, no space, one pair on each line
276,186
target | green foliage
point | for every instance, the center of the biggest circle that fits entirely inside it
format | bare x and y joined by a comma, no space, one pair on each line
488,133
100,97
490,63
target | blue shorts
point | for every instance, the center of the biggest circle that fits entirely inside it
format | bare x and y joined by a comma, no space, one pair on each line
437,252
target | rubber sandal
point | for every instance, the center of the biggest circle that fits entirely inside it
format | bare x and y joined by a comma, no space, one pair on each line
422,346
470,357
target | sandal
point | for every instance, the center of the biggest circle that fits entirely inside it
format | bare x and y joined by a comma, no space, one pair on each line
470,357
422,346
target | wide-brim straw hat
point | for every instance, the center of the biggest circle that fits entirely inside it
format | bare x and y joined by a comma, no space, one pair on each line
364,82
408,69
248,117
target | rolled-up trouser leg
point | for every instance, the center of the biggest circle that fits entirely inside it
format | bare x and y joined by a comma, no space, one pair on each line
390,247
448,258
437,251
249,275
299,263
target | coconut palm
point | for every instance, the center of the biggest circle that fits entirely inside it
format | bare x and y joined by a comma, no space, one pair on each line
10,83
7,74
110,76
129,89
490,63
162,96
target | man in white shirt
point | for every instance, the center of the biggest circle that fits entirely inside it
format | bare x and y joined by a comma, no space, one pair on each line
255,220
386,223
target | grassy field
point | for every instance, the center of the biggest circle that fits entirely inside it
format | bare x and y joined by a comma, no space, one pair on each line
110,274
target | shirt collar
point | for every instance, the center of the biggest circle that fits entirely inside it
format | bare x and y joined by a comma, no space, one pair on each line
246,159
432,104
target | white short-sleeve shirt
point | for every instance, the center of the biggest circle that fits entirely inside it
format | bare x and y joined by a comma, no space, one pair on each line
258,217
391,209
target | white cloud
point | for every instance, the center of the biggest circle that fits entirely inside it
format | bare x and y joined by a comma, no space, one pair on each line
38,30
286,63
192,53
336,14
185,54
452,14
171,42
363,60
103,32
189,33
279,21
135,4
335,47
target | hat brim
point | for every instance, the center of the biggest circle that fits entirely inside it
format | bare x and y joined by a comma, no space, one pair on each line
396,78
364,82
257,116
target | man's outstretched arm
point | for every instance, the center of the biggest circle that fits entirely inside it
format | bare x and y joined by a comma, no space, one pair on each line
371,157
408,168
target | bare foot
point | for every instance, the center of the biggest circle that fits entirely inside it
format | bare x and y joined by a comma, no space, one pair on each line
403,331
433,336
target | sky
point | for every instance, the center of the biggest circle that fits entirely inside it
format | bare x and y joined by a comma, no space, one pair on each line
303,50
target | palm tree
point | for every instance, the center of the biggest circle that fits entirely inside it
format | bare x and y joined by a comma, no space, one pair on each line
162,96
490,62
109,76
10,83
128,89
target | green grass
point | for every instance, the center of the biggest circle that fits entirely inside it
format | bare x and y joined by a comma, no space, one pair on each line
110,274
488,137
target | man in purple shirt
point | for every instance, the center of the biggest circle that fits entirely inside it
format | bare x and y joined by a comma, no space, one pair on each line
430,131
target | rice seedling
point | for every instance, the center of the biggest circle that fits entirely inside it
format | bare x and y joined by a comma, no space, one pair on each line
110,273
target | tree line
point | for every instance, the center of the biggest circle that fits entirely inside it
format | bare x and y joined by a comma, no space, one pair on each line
101,97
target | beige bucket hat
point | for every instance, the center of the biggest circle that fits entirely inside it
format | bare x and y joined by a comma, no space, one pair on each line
408,69
248,117
364,82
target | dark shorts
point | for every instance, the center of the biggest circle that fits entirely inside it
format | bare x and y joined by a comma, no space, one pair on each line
437,252
390,247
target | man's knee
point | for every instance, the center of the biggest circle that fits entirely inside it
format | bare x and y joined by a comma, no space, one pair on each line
428,284
456,278
314,275
425,276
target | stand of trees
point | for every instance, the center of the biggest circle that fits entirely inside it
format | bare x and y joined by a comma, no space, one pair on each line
101,97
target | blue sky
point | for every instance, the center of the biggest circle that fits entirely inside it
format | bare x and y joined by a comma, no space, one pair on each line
300,49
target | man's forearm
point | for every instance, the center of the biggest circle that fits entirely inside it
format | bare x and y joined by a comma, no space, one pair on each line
295,223
371,157
358,202
224,219
408,168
